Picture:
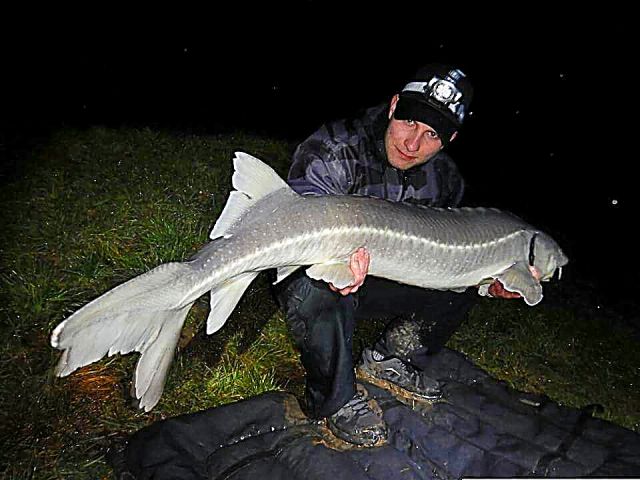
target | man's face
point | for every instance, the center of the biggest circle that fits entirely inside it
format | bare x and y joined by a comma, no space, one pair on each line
408,142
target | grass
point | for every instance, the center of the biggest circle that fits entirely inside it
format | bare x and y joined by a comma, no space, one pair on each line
88,209
577,359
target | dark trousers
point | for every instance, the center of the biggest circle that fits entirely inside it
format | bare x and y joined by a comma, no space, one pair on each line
322,323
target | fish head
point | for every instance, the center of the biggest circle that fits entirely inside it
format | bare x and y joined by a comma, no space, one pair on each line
548,257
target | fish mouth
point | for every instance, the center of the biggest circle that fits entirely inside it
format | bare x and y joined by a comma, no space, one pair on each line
551,275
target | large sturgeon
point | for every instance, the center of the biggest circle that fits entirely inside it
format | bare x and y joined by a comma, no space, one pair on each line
264,225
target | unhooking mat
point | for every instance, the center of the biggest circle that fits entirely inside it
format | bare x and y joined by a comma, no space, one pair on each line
480,428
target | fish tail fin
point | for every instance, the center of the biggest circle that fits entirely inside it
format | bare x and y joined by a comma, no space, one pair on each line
252,179
145,315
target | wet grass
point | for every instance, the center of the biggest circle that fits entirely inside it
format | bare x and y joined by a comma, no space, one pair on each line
575,357
82,213
88,209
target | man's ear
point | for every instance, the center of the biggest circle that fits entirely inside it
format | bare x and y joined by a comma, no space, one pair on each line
392,105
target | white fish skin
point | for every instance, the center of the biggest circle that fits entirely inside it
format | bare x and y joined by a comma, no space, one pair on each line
266,225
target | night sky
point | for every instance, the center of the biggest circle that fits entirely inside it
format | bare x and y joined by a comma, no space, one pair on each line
550,137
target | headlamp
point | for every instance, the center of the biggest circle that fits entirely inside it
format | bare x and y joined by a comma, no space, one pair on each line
442,92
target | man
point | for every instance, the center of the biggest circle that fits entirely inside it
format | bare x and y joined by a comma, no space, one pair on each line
395,151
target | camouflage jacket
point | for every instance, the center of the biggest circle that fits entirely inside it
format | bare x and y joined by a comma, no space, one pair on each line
349,157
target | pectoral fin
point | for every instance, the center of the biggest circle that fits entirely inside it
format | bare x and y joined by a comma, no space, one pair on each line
518,278
339,274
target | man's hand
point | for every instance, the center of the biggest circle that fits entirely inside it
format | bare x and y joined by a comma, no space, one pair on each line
359,265
497,290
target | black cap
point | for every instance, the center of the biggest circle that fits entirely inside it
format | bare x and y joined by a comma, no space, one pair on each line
438,95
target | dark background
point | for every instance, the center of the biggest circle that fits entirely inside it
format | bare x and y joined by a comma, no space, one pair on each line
550,138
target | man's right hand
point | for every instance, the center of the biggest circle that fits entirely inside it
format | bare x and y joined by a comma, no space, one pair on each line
359,265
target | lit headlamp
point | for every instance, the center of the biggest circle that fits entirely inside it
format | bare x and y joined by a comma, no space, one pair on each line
442,92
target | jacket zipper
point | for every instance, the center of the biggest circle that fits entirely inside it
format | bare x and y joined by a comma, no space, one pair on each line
404,185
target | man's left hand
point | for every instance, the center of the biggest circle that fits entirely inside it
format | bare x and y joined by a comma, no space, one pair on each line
497,290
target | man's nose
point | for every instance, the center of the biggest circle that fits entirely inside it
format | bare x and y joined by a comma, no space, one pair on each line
412,142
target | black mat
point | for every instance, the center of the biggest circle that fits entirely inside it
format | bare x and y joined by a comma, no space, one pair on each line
481,428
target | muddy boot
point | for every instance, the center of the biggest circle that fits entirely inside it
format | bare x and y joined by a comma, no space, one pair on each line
359,421
400,377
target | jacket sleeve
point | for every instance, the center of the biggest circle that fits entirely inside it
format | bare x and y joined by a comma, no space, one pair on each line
320,168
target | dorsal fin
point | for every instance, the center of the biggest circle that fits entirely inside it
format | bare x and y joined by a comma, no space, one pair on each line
252,179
